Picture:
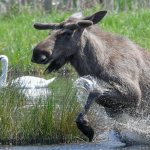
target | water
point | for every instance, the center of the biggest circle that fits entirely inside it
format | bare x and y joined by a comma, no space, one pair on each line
86,84
88,146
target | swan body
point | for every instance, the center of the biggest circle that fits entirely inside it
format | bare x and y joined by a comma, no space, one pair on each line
31,82
31,87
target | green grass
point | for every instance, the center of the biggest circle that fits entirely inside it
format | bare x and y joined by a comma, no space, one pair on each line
47,123
134,25
55,121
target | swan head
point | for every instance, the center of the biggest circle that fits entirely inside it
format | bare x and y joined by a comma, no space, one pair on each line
3,59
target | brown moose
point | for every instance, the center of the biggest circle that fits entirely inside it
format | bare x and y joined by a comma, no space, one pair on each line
116,60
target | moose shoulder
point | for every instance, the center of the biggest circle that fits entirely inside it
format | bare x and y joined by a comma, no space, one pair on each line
92,51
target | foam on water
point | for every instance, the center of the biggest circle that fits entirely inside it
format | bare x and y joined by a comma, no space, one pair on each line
136,131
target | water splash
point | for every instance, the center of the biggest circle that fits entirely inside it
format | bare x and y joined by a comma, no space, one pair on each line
84,85
132,130
135,131
87,84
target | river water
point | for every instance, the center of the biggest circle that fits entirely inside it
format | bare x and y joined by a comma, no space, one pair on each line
87,146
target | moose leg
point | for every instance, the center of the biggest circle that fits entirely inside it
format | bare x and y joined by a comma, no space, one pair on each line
119,100
82,122
114,100
120,97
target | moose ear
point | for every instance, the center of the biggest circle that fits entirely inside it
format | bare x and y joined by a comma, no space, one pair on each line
95,18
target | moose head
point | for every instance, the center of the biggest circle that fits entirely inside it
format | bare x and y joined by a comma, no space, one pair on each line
64,42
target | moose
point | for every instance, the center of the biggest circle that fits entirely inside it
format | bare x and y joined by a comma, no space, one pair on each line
114,59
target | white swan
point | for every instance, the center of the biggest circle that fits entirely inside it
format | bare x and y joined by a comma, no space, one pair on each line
32,82
3,77
30,86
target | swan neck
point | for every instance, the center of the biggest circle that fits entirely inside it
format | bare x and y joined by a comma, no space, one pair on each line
3,77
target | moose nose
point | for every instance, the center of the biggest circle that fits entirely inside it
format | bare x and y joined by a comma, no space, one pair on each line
40,59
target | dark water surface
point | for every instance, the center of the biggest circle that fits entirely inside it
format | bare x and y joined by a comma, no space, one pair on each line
89,146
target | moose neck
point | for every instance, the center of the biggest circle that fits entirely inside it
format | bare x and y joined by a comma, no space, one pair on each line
3,77
90,58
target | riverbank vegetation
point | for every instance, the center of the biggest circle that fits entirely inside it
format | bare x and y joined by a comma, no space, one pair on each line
51,121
